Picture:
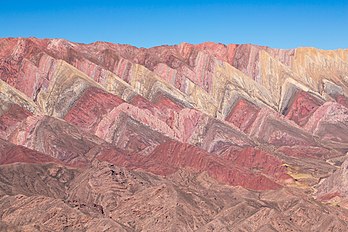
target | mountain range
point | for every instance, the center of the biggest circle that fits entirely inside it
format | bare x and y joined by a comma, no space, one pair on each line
207,137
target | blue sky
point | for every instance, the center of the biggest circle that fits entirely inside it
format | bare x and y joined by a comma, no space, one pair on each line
279,24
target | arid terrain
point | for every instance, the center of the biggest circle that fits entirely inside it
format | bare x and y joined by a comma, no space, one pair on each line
207,137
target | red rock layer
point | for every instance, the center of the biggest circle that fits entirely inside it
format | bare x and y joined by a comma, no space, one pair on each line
13,115
257,160
243,114
90,108
302,107
10,153
168,157
343,100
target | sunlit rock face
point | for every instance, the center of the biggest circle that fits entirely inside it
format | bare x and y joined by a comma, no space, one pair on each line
110,137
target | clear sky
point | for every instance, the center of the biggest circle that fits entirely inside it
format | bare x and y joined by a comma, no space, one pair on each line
279,24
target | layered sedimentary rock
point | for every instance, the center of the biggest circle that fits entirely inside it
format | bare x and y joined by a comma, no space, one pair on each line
110,137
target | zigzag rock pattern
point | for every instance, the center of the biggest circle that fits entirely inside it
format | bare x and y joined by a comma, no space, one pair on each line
208,137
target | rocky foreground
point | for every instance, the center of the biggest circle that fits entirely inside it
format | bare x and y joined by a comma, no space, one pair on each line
208,137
